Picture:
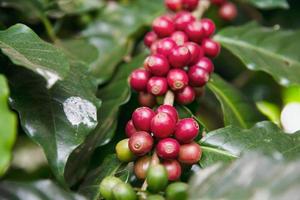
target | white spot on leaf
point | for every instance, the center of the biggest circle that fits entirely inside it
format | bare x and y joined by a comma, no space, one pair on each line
51,77
290,119
251,66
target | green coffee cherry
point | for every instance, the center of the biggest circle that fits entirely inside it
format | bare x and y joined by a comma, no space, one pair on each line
123,152
177,191
155,197
107,185
124,191
157,178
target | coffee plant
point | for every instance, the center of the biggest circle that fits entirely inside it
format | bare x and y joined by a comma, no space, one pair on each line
149,99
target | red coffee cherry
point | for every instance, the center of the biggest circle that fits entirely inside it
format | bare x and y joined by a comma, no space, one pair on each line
142,117
211,48
146,99
179,57
190,153
157,85
190,5
206,64
140,143
208,26
196,52
228,11
130,129
154,46
162,125
170,110
218,2
167,148
157,64
141,167
139,79
173,168
179,37
186,130
182,19
149,38
165,45
195,31
197,76
163,26
174,5
177,79
185,96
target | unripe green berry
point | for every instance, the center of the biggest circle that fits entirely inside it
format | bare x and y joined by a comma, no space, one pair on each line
157,178
177,191
124,191
106,186
123,152
155,197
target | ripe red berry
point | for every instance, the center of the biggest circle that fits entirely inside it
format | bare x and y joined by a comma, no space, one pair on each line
157,64
197,76
186,130
174,5
157,85
190,5
228,11
130,129
195,50
177,79
139,79
140,143
141,167
154,46
162,125
149,38
195,31
164,46
142,117
179,37
170,110
185,96
179,57
190,153
208,26
206,64
218,2
173,168
163,26
211,48
167,148
182,19
146,99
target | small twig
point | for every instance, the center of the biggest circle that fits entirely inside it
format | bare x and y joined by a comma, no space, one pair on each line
49,28
202,7
169,98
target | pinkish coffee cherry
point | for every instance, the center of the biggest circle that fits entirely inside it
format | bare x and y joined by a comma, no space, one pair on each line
174,5
197,76
146,99
157,64
179,57
190,153
170,110
162,125
157,85
195,31
167,148
186,130
140,143
165,45
185,96
206,64
142,117
149,38
179,37
190,5
211,48
177,79
153,47
163,26
139,79
208,26
173,168
228,11
130,129
196,52
182,19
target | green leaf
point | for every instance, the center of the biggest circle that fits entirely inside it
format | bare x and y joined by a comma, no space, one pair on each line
268,4
26,49
252,177
271,50
230,142
112,33
78,6
38,190
58,119
237,110
8,127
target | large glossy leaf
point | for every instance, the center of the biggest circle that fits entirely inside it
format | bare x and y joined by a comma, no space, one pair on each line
8,127
271,50
230,142
112,30
252,177
58,119
237,109
25,48
268,4
38,190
